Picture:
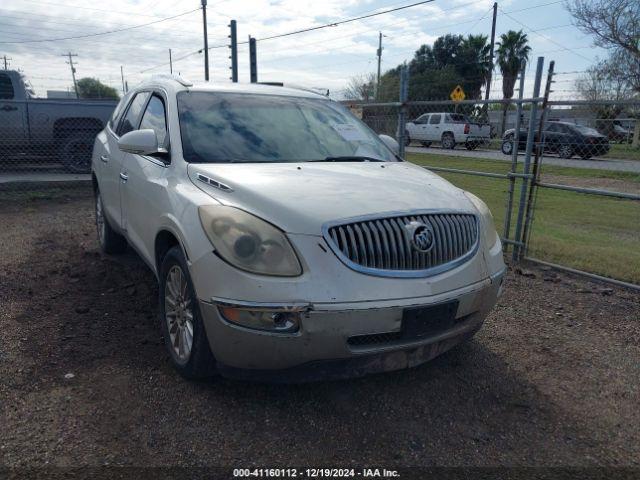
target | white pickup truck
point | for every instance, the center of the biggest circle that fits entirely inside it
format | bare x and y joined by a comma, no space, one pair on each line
449,129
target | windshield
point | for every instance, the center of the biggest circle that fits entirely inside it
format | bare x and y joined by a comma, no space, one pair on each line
232,127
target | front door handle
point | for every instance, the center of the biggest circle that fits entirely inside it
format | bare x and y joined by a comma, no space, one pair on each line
8,108
104,158
124,177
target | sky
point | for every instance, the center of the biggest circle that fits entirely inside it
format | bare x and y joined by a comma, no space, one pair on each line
325,58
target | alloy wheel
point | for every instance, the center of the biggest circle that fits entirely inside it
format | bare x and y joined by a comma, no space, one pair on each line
178,314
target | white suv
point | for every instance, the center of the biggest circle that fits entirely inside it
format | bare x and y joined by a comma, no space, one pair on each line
289,241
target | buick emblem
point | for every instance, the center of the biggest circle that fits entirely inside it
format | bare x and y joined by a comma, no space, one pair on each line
422,238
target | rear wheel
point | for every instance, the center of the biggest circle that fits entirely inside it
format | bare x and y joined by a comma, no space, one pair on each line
448,141
110,240
565,151
182,327
75,152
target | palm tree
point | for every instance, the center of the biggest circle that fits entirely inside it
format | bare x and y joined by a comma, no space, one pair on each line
475,64
513,49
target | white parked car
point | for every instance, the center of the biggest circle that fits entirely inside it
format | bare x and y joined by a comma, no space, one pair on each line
288,240
450,129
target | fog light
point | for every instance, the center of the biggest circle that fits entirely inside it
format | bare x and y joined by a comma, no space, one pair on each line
282,321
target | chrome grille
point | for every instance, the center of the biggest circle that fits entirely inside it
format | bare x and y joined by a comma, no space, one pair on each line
382,245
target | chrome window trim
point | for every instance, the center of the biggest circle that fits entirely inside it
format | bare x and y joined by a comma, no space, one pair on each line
379,272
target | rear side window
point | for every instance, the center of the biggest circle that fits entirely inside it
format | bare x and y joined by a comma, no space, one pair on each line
131,118
6,88
117,112
435,119
155,118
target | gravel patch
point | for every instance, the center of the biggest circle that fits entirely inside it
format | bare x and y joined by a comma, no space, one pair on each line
551,380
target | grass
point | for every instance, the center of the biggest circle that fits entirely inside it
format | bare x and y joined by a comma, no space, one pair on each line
588,232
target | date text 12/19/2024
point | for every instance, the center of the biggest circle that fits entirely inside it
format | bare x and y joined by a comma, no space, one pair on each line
315,473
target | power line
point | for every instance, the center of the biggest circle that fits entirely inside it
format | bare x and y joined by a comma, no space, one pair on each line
104,33
309,29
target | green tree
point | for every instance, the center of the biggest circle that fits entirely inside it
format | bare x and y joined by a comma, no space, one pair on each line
94,88
513,49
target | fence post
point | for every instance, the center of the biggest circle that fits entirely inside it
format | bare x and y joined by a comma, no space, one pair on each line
535,172
402,112
527,160
514,155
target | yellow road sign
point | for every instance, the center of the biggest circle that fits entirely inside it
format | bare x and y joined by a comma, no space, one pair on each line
457,94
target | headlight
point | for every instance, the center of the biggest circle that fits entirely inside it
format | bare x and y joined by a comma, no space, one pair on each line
248,242
490,234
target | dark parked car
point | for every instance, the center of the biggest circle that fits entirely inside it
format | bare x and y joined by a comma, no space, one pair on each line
565,139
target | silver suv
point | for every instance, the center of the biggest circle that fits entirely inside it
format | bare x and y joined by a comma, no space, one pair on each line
289,241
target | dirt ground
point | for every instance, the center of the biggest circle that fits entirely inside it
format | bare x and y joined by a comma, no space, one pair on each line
551,380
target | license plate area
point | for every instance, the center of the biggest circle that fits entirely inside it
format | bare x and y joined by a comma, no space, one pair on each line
420,322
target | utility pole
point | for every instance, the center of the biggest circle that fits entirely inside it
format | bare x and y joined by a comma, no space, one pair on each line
206,40
253,62
493,43
73,70
6,62
234,51
379,53
122,78
170,63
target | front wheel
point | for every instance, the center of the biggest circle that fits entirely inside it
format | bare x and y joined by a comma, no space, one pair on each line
565,151
448,141
507,146
110,240
182,326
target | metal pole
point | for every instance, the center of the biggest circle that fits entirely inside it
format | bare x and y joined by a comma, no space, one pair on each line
402,112
253,61
514,154
206,40
122,78
234,51
73,70
170,63
379,53
6,62
527,159
493,42
526,234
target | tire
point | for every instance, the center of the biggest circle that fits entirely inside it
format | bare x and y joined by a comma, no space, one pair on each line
195,361
426,144
110,241
565,151
507,146
75,152
448,141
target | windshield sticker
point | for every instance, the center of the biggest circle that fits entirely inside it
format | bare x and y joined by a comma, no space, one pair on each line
349,132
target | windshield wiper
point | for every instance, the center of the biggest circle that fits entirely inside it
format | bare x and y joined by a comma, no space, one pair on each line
349,158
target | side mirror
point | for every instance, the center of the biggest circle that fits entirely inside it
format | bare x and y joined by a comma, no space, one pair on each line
391,143
140,142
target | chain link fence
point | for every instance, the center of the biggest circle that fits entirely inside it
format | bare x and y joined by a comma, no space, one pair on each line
562,178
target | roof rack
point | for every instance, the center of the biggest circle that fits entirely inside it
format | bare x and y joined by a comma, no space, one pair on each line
177,78
317,91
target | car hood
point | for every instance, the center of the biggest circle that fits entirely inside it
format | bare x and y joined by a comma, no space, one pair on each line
301,197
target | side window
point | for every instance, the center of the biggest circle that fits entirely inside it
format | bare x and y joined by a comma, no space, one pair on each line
130,120
552,128
422,119
6,88
155,118
435,119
